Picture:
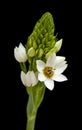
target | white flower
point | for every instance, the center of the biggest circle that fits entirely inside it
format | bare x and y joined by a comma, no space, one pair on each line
51,70
29,79
20,53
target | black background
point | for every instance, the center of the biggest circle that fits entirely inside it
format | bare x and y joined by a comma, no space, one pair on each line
59,107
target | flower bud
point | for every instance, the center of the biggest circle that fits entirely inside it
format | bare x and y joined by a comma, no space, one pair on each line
29,42
40,52
58,45
50,53
34,45
31,52
20,53
56,48
29,79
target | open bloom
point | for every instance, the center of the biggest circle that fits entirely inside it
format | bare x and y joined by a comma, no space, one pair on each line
51,70
29,79
20,53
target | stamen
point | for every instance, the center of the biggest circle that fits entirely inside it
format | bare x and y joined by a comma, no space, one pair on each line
48,71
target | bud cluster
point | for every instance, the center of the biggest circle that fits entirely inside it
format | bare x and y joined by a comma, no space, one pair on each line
42,42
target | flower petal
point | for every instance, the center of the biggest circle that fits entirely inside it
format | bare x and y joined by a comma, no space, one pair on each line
61,69
49,84
40,65
33,78
28,79
60,64
25,78
60,78
41,77
59,59
51,60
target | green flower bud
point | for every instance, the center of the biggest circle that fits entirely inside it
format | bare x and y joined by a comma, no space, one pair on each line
34,45
41,36
38,41
31,52
37,51
40,52
50,53
43,41
50,44
58,45
29,42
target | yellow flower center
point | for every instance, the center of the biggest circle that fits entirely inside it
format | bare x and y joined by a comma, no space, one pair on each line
48,71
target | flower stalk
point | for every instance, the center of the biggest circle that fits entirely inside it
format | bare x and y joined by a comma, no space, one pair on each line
31,122
30,125
36,95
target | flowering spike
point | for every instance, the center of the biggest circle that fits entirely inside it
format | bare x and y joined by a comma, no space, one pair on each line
42,35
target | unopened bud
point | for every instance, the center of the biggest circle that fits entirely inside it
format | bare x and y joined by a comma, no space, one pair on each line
30,42
40,53
50,53
31,52
58,45
34,45
20,53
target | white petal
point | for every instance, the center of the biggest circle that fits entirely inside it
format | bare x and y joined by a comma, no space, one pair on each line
59,59
21,47
49,84
25,78
16,55
41,77
33,78
40,65
60,64
28,79
60,78
20,53
61,69
51,60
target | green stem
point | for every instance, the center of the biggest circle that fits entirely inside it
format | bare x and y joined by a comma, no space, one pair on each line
23,67
35,98
30,125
